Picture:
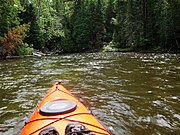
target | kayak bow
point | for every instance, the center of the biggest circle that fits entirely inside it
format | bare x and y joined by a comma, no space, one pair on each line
57,110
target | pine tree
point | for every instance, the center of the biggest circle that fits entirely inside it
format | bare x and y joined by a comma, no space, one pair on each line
119,32
109,15
9,15
99,22
30,16
168,23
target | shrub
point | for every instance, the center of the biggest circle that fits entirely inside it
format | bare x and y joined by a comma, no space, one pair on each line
24,49
14,37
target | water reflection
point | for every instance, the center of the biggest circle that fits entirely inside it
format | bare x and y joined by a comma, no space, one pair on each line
130,93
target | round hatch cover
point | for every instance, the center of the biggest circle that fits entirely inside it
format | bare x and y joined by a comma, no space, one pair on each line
58,107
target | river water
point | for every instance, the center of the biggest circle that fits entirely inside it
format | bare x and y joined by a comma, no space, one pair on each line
131,93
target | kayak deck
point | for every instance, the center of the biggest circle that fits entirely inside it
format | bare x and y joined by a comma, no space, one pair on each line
56,100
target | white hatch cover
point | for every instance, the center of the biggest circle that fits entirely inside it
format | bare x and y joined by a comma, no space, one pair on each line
58,107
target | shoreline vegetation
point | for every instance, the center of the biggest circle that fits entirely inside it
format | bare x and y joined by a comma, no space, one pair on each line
105,48
50,27
37,54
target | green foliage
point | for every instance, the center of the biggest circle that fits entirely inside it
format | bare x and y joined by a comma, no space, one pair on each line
24,49
168,22
162,20
146,24
127,23
45,24
67,42
99,23
81,31
9,10
86,26
109,15
49,24
83,25
119,22
29,15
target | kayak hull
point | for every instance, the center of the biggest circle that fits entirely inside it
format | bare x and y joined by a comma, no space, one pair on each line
39,121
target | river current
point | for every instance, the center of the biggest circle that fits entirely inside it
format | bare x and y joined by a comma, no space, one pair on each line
130,93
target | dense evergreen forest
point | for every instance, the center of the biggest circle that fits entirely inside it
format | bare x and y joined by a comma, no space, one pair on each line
67,26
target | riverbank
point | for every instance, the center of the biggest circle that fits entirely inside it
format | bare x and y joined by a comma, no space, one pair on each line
110,48
34,54
104,49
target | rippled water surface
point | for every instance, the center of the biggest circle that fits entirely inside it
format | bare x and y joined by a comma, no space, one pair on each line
132,94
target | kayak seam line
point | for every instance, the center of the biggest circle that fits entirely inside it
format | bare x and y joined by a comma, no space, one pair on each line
44,126
57,89
65,118
86,124
57,118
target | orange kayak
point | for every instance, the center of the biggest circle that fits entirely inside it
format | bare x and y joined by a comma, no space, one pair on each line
60,113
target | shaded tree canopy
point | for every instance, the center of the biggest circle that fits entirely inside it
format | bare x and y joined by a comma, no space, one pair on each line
85,25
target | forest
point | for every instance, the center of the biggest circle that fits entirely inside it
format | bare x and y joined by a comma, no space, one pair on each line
75,26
